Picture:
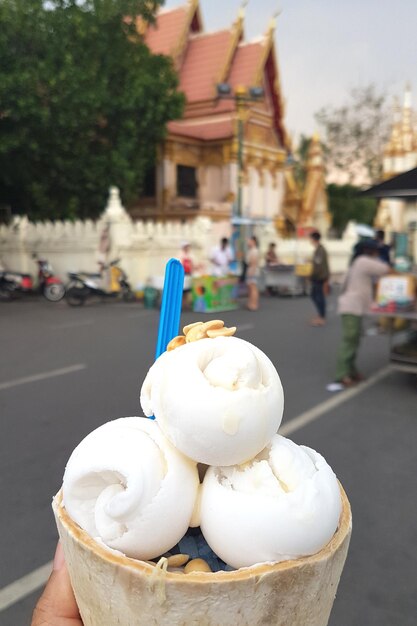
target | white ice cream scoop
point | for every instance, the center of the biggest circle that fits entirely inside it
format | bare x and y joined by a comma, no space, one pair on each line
126,485
282,505
218,400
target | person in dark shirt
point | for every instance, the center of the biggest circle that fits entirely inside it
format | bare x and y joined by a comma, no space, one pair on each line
319,278
384,250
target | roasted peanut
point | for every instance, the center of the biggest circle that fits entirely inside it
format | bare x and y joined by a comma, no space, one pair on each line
177,560
176,343
186,329
196,333
213,324
221,332
197,565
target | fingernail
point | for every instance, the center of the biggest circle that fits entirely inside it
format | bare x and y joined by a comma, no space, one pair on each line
59,558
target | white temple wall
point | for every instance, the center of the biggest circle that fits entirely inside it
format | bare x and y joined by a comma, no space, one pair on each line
143,247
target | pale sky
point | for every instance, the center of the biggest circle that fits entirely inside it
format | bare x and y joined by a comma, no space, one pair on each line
327,47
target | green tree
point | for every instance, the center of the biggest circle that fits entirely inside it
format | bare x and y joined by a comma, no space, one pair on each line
300,172
83,104
355,133
345,204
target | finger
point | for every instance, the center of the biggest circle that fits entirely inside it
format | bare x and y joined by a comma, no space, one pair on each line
57,605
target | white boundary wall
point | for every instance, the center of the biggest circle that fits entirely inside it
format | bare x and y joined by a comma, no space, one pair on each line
143,247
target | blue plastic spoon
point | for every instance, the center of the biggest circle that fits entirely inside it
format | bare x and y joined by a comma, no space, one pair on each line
169,319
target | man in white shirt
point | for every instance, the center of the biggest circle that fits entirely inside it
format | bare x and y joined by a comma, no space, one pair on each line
221,256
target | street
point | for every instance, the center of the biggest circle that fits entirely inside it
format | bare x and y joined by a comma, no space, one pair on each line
65,371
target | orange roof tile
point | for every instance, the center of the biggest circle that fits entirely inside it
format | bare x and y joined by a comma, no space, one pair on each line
205,56
163,36
203,129
246,64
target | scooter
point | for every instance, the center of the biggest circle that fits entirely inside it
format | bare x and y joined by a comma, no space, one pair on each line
82,285
14,284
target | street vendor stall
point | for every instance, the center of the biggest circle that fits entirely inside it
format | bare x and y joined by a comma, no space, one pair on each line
286,279
212,294
396,303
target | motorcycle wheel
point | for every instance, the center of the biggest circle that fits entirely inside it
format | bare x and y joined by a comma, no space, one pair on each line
54,292
5,294
128,295
75,295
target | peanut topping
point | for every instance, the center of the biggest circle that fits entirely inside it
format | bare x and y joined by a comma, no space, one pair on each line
176,342
177,560
197,565
201,330
213,325
186,329
221,332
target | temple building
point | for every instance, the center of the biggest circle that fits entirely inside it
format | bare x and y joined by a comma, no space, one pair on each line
198,171
395,212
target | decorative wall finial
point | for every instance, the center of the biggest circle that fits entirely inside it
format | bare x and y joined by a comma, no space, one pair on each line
407,95
273,20
242,10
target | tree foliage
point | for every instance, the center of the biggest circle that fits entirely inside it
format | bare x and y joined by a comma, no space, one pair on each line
300,165
355,134
83,104
345,204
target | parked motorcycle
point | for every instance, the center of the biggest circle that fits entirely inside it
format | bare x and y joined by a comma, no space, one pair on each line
14,284
82,285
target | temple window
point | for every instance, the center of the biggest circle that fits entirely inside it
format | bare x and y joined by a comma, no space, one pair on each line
149,183
186,181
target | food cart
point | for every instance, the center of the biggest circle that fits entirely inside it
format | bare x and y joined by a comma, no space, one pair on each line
213,294
287,280
396,303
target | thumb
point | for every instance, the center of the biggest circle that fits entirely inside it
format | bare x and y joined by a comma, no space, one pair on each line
57,605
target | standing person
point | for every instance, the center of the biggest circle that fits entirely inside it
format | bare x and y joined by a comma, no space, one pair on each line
252,274
187,262
186,259
319,279
354,302
384,249
271,263
271,258
221,256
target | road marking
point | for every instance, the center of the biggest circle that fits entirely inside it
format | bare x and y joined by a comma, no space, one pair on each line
242,327
42,376
324,407
73,324
23,587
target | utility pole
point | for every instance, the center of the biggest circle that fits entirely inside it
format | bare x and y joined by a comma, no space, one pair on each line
242,96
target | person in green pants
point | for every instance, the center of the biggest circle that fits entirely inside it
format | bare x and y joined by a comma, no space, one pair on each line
354,302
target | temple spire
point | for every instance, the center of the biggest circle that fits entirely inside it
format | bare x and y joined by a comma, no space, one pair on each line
273,21
407,96
242,10
406,125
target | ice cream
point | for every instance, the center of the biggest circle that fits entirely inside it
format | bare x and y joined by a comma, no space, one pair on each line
287,500
217,400
273,511
129,488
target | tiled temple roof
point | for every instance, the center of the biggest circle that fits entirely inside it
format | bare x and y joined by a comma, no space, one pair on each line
205,59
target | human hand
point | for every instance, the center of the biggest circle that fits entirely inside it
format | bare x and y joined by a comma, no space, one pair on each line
57,606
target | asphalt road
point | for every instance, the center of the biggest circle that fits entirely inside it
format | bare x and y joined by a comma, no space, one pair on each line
65,371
